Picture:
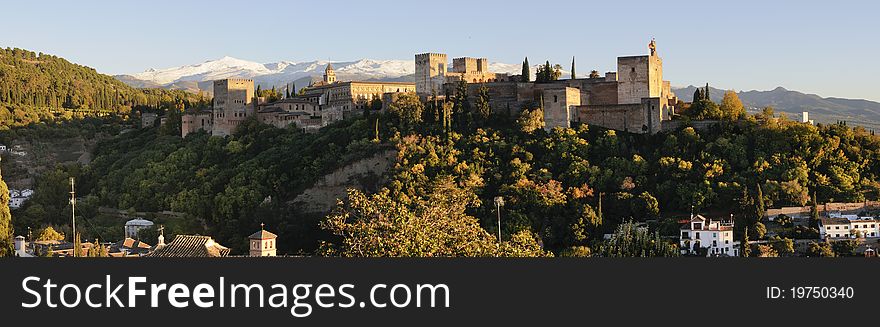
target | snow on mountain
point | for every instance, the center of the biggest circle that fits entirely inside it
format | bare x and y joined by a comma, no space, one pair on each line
270,74
225,67
281,73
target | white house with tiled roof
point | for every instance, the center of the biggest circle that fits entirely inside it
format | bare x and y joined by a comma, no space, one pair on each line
837,225
262,243
716,237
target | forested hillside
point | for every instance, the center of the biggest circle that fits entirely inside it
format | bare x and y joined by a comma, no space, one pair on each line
38,87
562,189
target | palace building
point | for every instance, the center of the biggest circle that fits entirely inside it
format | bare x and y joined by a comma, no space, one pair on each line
319,104
634,99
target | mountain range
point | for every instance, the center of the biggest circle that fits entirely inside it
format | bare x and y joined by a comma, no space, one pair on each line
793,103
198,77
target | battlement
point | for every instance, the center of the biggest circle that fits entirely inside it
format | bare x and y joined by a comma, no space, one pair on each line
430,55
233,80
469,65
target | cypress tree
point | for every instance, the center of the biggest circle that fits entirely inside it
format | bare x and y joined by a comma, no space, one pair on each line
77,245
6,246
814,211
573,75
706,93
526,72
698,95
759,204
548,71
744,250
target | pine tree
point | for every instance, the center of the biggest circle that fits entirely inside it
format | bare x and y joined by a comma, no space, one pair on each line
573,75
6,246
526,72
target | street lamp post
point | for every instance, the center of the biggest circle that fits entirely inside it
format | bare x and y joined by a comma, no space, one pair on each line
73,208
499,202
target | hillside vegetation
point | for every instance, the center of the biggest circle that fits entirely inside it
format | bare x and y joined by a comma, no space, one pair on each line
37,87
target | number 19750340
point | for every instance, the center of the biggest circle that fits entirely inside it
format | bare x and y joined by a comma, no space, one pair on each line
811,292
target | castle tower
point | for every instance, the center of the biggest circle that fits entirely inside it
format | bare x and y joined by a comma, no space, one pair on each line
262,243
329,74
233,103
640,77
430,74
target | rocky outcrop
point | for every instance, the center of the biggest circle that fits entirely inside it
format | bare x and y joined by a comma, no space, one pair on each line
366,174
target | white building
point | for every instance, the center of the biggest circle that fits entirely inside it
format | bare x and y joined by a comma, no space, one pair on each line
716,237
21,247
17,198
133,226
848,226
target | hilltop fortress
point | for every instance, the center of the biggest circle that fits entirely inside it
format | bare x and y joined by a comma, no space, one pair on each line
633,99
319,104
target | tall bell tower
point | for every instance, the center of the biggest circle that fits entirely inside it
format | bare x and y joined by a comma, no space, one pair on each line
329,74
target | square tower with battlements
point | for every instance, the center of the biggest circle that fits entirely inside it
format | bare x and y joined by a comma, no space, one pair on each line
430,73
639,77
233,99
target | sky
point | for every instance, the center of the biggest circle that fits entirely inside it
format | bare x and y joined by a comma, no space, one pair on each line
821,47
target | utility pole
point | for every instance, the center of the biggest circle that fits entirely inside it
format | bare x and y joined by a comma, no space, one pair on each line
499,202
73,208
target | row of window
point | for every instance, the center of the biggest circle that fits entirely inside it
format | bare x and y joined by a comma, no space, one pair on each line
854,226
266,245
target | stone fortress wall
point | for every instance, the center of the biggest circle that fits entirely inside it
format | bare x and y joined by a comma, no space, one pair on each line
635,98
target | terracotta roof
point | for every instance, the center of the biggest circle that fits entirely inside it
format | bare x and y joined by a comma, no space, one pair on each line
191,246
262,235
836,221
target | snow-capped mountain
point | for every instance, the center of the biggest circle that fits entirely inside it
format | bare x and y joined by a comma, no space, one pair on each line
278,74
271,74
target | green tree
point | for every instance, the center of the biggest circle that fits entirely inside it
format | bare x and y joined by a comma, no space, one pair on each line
845,248
531,120
573,75
526,71
483,110
556,72
576,251
594,74
381,225
407,108
698,95
782,246
745,250
822,249
49,234
6,246
766,251
814,211
77,245
630,240
731,106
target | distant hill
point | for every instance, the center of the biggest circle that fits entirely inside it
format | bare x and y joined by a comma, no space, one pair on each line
825,110
33,84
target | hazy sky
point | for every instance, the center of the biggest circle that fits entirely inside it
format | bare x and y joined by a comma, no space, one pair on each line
825,47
